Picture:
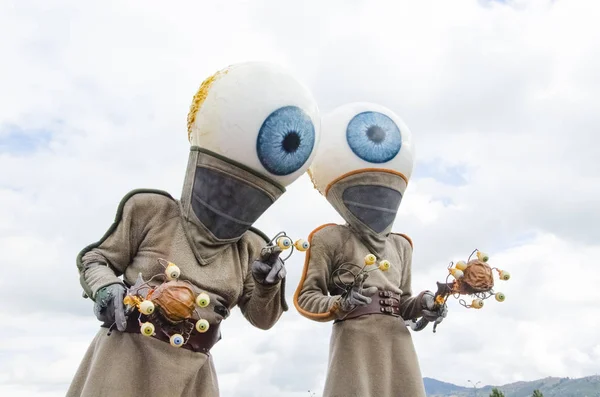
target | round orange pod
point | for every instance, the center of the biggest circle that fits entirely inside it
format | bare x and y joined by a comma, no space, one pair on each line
478,277
175,301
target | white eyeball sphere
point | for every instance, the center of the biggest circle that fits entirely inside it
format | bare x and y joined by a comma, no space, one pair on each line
259,115
361,136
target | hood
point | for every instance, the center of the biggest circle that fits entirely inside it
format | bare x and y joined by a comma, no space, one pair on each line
368,200
221,200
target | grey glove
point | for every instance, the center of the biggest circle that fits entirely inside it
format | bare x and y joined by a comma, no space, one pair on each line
269,269
431,311
109,306
357,296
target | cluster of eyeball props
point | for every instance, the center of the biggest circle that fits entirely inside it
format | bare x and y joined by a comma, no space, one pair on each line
359,277
282,242
473,277
170,305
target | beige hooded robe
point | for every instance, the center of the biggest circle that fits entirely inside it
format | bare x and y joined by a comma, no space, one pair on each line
151,225
372,355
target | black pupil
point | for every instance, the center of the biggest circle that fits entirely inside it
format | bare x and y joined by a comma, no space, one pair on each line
291,142
376,134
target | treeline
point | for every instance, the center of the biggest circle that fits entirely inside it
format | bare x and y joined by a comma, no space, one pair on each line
498,393
495,393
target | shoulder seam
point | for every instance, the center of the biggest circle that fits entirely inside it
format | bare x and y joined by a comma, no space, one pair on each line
406,238
115,223
259,233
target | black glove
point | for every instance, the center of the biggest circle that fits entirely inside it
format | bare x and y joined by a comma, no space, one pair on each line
269,269
109,307
432,313
357,296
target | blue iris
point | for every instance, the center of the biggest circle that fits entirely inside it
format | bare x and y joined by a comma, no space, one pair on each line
285,140
374,137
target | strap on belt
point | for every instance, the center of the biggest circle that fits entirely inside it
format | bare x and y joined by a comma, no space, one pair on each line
385,302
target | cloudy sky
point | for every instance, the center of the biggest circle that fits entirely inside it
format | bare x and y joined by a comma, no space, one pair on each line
502,100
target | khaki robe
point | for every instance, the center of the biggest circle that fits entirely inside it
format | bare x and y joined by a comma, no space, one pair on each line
149,225
371,355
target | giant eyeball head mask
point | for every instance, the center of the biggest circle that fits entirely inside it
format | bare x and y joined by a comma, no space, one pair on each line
363,164
253,130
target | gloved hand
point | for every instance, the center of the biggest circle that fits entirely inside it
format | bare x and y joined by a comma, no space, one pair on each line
357,296
432,313
109,306
269,269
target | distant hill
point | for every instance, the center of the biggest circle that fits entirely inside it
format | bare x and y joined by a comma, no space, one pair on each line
550,387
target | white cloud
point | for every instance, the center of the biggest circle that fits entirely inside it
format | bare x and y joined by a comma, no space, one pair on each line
505,92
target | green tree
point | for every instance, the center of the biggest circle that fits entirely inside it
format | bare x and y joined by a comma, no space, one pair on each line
496,393
537,393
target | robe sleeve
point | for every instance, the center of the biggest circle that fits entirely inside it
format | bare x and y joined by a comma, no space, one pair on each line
410,306
312,299
262,305
102,263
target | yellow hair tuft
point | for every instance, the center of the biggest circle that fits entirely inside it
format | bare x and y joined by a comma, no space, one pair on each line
199,99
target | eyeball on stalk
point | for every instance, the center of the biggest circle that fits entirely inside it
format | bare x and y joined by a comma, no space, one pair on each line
456,273
504,275
482,256
284,243
176,340
202,325
146,307
370,259
302,245
477,303
172,271
461,265
384,265
203,299
147,329
500,297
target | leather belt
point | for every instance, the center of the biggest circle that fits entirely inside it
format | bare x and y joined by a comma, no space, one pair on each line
197,342
385,302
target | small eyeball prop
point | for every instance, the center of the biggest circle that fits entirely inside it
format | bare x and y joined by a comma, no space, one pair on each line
146,307
284,243
370,260
457,274
202,326
147,329
203,299
500,297
301,245
482,256
504,275
176,340
461,265
384,265
477,303
172,271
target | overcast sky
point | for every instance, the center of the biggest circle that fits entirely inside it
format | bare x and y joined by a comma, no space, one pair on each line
502,100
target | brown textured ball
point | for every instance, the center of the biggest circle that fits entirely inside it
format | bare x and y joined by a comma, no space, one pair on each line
478,277
175,300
